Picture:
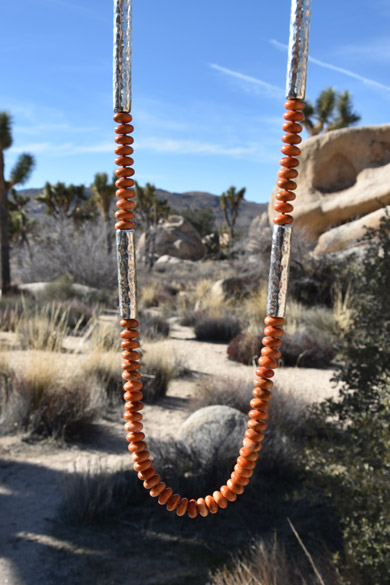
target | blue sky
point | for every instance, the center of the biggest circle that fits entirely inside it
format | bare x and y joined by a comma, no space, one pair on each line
208,81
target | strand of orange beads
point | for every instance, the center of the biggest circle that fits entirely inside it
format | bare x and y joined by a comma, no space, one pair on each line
280,254
268,362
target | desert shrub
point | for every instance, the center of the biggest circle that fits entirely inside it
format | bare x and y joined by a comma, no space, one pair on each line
104,335
306,349
350,452
158,369
216,329
47,402
267,563
80,253
153,327
228,391
244,348
43,329
97,494
105,367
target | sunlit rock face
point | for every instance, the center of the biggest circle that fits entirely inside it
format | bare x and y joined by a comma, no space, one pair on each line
344,179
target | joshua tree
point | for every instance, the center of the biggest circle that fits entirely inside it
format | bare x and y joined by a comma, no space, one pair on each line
64,202
331,111
151,210
103,194
20,225
20,173
230,202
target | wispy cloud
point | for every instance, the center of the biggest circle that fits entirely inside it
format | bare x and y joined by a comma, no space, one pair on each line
255,84
152,144
365,80
376,51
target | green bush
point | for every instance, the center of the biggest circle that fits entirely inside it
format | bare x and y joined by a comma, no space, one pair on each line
351,452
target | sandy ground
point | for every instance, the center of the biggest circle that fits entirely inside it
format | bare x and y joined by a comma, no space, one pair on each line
35,550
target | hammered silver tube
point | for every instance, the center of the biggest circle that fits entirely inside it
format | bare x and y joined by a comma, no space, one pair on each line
298,49
125,249
122,55
279,270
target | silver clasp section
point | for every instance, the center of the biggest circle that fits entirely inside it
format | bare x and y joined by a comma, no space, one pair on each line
125,249
298,49
122,55
279,270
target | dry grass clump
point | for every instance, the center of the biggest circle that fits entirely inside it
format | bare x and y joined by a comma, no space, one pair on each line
216,329
97,494
43,329
253,310
268,564
44,399
159,367
228,391
105,367
244,348
307,349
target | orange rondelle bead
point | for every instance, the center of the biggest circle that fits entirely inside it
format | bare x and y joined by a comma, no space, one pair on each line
271,341
243,471
134,425
228,493
158,489
152,482
286,184
294,104
274,321
257,425
253,436
235,487
271,331
173,502
268,362
287,173
291,138
257,414
203,509
122,117
285,196
135,437
123,139
289,162
192,509
137,447
123,149
164,496
211,504
265,373
124,129
283,219
263,394
289,149
271,352
139,457
291,126
142,466
220,500
147,474
294,116
245,463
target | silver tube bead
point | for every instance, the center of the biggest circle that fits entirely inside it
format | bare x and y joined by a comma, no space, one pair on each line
279,270
122,55
298,49
125,249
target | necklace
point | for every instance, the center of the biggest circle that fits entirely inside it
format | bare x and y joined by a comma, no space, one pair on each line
280,259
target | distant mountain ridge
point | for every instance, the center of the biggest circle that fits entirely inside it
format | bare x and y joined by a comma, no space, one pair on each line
179,201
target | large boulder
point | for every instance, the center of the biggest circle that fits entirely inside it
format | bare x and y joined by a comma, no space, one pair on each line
214,430
346,236
344,175
260,235
176,237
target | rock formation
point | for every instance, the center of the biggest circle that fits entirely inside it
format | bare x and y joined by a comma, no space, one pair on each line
344,183
175,237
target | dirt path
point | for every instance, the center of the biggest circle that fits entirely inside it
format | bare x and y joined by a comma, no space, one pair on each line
36,549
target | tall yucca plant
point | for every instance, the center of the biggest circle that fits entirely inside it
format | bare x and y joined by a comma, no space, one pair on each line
230,202
331,111
103,193
20,173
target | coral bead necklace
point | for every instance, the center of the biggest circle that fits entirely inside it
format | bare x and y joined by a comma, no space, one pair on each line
280,256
